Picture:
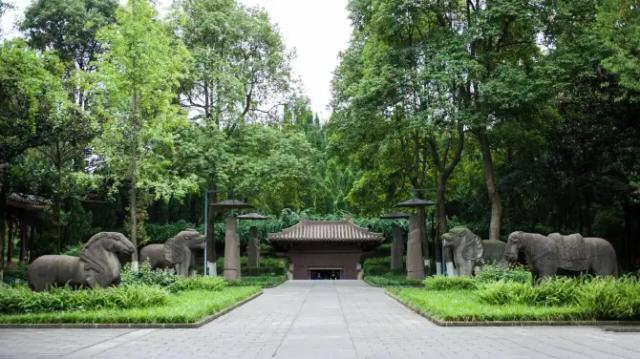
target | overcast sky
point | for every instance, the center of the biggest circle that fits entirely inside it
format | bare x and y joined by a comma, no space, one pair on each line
317,29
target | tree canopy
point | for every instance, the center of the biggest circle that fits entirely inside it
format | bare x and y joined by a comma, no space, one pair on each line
509,114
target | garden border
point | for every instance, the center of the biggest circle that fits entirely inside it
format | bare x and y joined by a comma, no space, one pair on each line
195,325
515,323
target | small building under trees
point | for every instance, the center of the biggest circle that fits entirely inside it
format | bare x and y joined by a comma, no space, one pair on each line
325,249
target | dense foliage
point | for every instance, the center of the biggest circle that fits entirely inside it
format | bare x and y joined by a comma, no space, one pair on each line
511,115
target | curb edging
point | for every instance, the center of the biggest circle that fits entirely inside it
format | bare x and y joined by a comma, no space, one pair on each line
195,325
513,323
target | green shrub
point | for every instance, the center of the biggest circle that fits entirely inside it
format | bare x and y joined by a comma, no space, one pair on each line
608,298
377,266
262,281
268,266
602,298
491,273
198,283
21,299
15,275
159,233
439,282
146,276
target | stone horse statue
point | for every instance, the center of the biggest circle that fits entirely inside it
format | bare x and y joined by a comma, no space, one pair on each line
175,252
546,254
470,251
97,265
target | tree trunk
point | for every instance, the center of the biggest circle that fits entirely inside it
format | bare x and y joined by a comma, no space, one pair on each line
211,242
3,216
10,244
133,206
23,243
490,180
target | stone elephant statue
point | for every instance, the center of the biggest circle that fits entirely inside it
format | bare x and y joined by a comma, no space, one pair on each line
175,253
467,249
546,254
97,265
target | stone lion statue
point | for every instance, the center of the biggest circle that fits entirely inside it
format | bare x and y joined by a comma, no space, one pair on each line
97,265
546,254
175,253
470,251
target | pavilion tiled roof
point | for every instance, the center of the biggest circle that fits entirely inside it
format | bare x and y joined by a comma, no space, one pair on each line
325,231
27,201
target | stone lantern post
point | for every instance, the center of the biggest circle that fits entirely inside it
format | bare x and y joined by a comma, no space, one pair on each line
417,249
397,244
231,271
253,246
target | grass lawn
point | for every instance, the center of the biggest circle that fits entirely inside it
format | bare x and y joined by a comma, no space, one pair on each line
184,307
464,305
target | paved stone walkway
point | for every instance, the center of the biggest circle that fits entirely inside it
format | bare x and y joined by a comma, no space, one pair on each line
321,319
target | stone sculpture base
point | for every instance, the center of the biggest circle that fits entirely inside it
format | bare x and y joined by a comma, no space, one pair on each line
231,250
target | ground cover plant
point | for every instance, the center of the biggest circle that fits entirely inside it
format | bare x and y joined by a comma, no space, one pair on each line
188,306
144,297
264,281
439,282
391,280
21,299
561,298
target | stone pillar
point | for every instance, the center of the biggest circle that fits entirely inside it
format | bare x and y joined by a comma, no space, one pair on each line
415,259
397,248
253,248
231,250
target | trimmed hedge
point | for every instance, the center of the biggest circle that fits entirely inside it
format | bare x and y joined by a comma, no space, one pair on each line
377,266
268,266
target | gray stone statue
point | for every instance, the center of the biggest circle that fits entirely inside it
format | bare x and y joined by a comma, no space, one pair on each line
175,253
468,254
97,265
467,249
546,254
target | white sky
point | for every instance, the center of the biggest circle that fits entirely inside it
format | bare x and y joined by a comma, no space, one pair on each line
316,29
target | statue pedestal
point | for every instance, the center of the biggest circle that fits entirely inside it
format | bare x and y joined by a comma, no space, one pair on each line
231,250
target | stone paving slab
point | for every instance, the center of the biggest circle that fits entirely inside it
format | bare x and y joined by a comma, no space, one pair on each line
321,319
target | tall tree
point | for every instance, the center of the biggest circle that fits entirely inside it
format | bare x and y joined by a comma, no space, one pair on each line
31,98
240,69
69,27
501,37
137,78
